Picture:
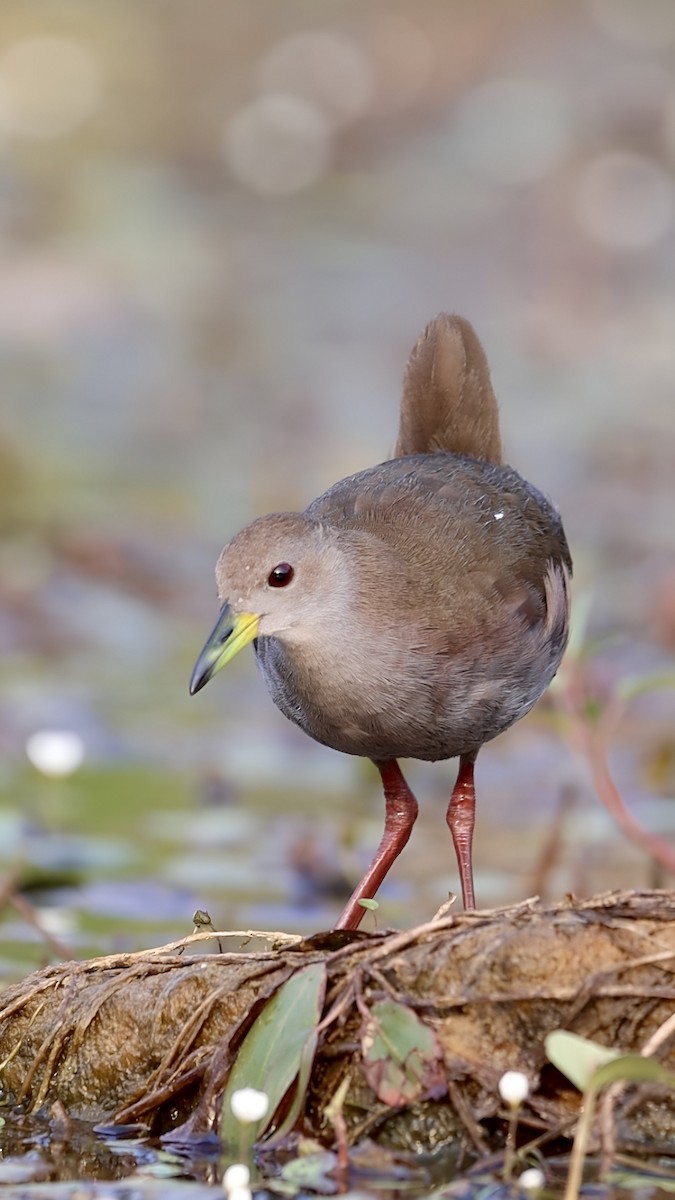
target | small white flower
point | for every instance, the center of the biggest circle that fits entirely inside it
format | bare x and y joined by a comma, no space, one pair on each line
249,1105
236,1176
514,1087
239,1193
60,922
532,1180
56,752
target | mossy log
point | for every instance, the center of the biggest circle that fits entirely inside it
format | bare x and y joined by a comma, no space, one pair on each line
152,1037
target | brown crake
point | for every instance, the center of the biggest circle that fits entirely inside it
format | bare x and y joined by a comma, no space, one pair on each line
414,610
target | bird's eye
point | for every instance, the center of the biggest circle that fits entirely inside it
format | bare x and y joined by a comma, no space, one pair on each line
280,575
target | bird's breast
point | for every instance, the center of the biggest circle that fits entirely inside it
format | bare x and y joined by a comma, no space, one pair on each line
385,705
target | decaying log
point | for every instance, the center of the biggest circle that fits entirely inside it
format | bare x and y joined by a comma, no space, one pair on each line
151,1037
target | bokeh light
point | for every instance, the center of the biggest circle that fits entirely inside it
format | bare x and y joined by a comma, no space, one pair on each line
49,86
56,752
403,61
647,23
330,71
512,131
626,201
278,144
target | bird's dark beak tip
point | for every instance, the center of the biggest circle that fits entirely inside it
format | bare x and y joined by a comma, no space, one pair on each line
199,678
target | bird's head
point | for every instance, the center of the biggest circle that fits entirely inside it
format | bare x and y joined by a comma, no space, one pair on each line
277,578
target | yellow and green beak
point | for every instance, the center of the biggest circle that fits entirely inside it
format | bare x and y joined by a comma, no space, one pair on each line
230,634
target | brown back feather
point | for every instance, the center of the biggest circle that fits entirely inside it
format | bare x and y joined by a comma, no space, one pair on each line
448,402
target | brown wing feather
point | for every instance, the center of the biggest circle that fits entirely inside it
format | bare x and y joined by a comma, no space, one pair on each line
452,519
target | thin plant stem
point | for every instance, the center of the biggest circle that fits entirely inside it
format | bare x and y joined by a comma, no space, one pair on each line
510,1148
576,1171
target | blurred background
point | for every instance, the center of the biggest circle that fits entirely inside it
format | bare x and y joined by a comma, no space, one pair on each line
222,227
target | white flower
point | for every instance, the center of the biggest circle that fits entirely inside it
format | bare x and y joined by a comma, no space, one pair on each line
56,752
514,1087
236,1180
60,922
236,1176
532,1180
249,1105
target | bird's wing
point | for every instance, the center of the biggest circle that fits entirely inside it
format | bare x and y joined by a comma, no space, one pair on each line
450,517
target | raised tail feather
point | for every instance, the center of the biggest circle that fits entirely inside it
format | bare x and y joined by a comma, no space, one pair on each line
448,402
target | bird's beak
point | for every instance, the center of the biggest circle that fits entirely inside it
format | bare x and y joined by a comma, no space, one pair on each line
230,634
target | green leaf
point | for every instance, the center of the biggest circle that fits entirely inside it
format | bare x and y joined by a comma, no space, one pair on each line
311,1171
372,905
576,1057
401,1055
632,1068
274,1051
591,1067
304,1072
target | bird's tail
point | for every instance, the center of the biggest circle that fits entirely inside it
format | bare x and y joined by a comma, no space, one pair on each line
448,402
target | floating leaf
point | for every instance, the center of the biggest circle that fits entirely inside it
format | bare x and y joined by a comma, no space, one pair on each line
401,1055
312,1171
273,1052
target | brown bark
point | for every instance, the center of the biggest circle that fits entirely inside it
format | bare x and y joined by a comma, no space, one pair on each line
150,1037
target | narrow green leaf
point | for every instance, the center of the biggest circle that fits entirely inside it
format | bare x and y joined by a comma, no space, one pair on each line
576,1057
401,1055
273,1052
304,1071
632,1068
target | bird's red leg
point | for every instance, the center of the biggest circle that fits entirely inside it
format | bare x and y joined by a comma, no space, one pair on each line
460,817
400,813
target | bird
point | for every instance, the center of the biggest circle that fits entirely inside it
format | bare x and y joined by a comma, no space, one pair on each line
416,609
